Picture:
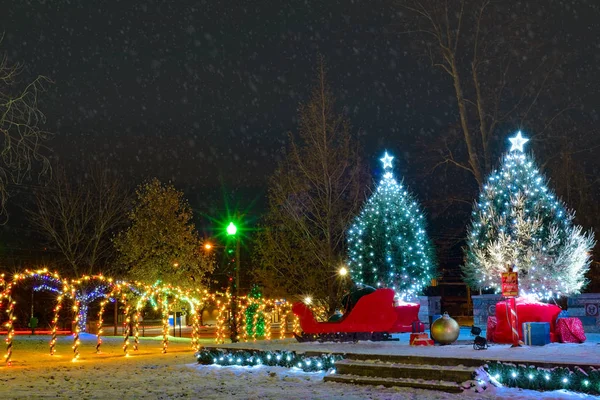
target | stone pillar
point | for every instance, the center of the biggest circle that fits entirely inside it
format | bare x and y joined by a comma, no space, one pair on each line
430,306
484,306
586,307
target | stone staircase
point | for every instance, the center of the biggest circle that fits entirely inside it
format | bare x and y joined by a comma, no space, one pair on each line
432,373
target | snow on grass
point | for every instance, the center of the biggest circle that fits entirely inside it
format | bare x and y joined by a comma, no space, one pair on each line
587,353
149,374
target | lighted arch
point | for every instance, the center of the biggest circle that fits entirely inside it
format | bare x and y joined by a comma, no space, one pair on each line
135,296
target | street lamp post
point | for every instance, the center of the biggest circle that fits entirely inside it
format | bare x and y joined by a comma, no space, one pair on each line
232,231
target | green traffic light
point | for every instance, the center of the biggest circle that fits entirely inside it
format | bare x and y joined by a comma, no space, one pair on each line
231,229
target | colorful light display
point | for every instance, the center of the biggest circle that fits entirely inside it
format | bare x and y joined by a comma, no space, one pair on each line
134,296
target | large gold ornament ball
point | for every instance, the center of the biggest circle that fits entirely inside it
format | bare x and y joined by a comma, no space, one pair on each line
445,330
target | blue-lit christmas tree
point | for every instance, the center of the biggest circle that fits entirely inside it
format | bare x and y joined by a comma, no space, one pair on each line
387,243
518,221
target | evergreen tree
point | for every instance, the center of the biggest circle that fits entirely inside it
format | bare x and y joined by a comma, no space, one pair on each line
519,221
256,297
387,242
162,242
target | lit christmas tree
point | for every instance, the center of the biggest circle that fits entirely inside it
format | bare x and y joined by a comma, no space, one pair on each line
519,221
255,322
387,243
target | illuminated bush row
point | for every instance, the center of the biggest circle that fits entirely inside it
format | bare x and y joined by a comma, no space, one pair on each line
536,378
288,359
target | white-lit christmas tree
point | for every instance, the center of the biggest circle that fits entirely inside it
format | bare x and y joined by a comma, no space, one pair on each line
387,242
519,221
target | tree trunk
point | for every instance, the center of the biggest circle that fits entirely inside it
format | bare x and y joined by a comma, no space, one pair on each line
464,122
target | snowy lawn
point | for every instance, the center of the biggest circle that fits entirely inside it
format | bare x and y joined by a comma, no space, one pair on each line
149,374
587,353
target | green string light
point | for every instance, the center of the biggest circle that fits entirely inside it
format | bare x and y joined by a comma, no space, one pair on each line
288,359
586,380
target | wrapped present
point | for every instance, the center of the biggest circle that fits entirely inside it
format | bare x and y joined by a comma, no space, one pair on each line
424,342
491,328
420,339
570,330
527,311
536,333
418,326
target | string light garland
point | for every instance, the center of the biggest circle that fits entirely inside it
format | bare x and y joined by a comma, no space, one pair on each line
545,379
135,295
165,320
288,359
138,313
517,220
126,320
10,329
76,341
387,243
57,309
196,330
100,323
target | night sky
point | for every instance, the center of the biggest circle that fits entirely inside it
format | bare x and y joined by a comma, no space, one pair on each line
203,93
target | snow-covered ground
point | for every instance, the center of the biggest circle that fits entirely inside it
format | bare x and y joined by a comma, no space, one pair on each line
587,353
149,374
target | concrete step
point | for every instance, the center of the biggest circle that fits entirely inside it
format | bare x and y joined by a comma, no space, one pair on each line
449,387
456,373
419,360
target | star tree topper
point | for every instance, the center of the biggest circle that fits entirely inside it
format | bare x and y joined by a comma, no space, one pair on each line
518,142
387,161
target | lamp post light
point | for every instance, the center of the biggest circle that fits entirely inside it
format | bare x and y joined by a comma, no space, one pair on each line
232,231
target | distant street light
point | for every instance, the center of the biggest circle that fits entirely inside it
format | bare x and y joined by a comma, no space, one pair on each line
343,271
208,246
231,229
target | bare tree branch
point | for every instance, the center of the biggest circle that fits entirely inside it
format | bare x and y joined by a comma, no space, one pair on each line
22,147
79,218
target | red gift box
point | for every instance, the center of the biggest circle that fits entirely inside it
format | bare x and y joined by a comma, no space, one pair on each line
527,311
423,342
418,327
420,339
570,330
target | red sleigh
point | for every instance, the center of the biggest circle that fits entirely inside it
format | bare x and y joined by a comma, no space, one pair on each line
374,317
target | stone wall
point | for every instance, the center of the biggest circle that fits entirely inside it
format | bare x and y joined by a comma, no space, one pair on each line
430,306
483,306
586,307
